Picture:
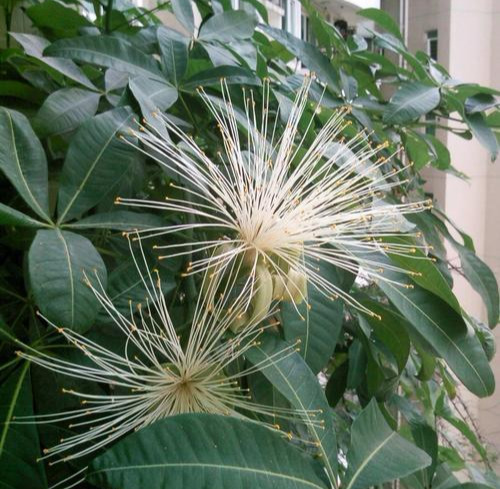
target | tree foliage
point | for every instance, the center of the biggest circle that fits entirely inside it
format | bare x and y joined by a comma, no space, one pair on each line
71,87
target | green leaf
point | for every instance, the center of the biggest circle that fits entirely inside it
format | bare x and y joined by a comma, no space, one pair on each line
480,102
479,275
12,217
23,91
391,331
19,444
260,8
472,485
23,161
199,451
428,362
156,95
320,329
443,328
468,433
183,11
108,51
429,225
483,133
55,15
174,49
337,384
125,284
118,220
64,110
383,19
377,454
153,96
482,279
411,100
57,260
426,274
357,365
417,148
426,438
212,76
294,379
228,26
35,45
442,158
444,477
307,53
95,161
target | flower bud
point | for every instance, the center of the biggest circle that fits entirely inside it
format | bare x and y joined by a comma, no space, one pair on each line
278,287
296,286
263,295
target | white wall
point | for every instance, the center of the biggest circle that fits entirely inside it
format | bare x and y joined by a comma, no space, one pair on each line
466,47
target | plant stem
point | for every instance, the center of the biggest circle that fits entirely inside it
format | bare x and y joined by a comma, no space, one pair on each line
107,20
183,102
8,22
191,295
147,12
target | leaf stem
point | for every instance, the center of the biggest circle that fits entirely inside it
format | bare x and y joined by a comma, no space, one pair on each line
143,14
107,20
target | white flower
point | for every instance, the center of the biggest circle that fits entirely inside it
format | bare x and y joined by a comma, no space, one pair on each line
167,376
272,199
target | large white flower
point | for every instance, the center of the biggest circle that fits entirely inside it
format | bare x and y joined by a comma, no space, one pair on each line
272,199
160,374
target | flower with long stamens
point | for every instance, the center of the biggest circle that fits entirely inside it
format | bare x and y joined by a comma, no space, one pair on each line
158,374
272,199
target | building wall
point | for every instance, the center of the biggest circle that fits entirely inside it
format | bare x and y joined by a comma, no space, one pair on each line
466,41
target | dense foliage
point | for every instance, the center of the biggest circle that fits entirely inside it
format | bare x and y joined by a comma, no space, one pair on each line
388,388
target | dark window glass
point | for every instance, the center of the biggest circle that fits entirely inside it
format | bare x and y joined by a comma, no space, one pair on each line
432,44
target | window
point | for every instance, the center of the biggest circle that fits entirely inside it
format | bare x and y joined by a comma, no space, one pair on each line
432,51
284,19
432,44
291,21
304,30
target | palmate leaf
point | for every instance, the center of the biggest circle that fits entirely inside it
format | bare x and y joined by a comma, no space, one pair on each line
153,96
34,46
212,76
174,48
228,26
57,260
23,161
320,325
410,102
309,54
19,444
445,330
12,217
480,276
383,19
483,133
378,454
391,331
183,11
125,285
64,110
482,279
55,15
108,51
429,276
95,161
199,451
440,326
117,220
294,379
